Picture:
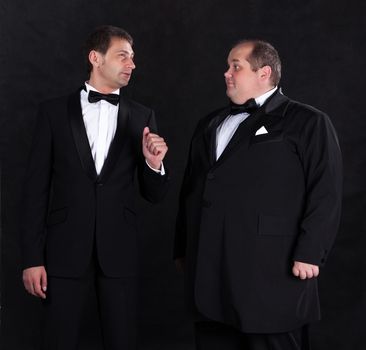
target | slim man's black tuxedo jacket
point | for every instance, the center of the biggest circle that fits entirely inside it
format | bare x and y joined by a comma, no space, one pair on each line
67,206
269,200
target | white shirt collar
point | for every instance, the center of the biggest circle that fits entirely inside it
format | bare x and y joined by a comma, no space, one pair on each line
89,87
262,98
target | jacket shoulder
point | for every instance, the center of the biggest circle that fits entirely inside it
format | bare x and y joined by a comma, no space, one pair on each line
137,107
54,102
305,115
302,109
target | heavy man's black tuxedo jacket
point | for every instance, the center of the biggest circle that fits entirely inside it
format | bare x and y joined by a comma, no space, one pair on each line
67,207
268,201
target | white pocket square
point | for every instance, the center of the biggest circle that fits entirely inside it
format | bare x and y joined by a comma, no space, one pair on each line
261,131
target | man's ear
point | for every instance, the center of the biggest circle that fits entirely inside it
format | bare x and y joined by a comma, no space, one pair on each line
265,73
95,58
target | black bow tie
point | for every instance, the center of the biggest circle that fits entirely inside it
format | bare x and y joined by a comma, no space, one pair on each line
95,96
248,107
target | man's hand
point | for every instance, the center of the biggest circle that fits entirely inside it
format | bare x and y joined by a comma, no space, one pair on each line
35,281
304,270
179,264
154,148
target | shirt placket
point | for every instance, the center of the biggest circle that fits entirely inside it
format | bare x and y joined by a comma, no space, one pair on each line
102,136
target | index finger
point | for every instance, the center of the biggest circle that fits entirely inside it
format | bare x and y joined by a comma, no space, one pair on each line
38,291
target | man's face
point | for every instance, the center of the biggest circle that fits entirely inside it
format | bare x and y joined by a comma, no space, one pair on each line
114,68
242,83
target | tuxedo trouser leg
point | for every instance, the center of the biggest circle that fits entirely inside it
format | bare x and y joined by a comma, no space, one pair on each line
117,309
297,339
63,311
215,336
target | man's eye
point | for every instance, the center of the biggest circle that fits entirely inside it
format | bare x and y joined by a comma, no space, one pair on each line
236,67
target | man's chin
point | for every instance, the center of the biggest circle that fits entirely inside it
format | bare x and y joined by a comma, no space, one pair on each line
235,99
229,93
123,83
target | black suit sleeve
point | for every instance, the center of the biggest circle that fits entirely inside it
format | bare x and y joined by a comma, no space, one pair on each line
153,185
321,159
36,194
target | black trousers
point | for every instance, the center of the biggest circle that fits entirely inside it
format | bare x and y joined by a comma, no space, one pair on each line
65,303
217,336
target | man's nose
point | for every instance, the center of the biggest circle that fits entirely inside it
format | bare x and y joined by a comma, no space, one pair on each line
228,74
131,64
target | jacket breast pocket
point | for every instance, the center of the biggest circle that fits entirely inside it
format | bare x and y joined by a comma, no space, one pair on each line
276,225
274,136
57,216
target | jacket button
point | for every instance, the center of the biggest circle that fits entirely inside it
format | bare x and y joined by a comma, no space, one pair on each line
100,184
210,176
206,204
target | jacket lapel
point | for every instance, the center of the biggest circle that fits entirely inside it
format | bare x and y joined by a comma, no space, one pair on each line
210,134
80,136
118,140
82,142
275,106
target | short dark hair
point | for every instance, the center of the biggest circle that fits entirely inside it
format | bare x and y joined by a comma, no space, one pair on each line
100,40
263,54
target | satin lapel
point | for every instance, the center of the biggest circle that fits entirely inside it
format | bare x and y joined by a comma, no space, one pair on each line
80,136
210,134
118,140
276,106
241,136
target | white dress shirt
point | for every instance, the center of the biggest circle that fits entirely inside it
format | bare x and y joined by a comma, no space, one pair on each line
227,128
100,120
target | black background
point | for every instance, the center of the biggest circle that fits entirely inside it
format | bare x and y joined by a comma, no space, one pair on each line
181,48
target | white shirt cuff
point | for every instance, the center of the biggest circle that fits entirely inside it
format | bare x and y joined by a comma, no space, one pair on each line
161,171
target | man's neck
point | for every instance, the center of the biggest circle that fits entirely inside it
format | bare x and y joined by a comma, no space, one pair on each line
102,88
